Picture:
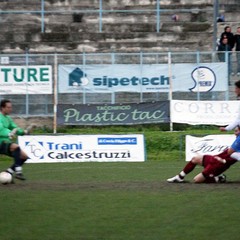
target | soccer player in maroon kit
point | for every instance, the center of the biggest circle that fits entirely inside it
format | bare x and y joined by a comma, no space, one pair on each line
214,165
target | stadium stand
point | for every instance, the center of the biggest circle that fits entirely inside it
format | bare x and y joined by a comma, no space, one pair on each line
72,26
69,31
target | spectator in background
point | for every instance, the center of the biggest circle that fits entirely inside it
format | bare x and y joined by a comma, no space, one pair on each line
175,17
230,36
221,18
237,42
224,52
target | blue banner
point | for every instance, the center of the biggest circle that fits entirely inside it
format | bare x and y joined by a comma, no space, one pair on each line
187,77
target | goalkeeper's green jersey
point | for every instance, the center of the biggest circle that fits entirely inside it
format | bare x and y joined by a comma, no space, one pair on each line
6,126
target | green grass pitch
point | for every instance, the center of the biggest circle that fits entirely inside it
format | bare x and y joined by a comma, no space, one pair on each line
117,201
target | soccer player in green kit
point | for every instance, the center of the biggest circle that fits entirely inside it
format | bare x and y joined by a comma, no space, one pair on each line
8,130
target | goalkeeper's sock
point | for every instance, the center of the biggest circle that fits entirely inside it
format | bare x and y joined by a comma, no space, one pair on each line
17,157
19,174
11,170
18,169
23,161
189,167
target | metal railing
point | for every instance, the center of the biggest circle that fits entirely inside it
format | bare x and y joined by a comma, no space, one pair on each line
43,104
156,11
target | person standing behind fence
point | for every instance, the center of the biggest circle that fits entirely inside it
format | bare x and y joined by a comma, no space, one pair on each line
237,42
230,36
222,49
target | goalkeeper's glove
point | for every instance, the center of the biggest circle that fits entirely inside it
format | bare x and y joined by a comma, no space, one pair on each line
29,129
12,134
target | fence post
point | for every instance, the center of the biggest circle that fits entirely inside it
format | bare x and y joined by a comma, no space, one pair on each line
100,15
215,15
158,15
27,96
113,96
42,17
170,85
141,66
55,93
227,60
198,74
84,67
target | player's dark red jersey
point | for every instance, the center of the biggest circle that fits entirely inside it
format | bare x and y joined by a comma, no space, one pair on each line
213,167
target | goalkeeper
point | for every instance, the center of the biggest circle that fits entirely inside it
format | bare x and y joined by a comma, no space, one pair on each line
8,131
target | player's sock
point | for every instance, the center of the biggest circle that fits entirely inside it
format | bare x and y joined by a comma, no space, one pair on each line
23,161
19,174
10,170
211,180
182,174
189,167
18,169
17,157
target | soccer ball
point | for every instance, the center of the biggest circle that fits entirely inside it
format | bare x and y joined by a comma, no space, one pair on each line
5,177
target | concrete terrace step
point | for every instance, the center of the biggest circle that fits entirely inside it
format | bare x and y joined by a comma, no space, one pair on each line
128,32
146,42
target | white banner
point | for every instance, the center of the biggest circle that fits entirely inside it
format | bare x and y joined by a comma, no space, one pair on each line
142,78
84,148
204,112
26,79
211,145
